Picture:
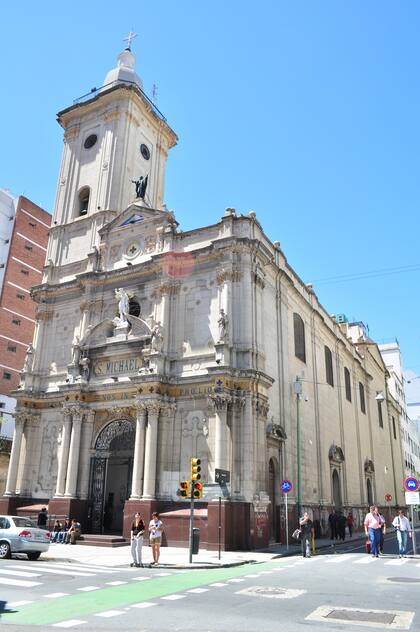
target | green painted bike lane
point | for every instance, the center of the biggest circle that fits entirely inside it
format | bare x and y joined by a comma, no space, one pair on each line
83,604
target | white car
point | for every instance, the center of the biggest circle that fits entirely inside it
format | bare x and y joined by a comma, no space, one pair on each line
21,535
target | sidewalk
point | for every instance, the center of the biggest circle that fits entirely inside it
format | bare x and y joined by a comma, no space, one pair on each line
177,557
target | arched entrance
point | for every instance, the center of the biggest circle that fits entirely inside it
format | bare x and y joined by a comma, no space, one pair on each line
111,473
272,496
336,489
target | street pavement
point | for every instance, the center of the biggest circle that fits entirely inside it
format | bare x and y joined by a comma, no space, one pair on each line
284,593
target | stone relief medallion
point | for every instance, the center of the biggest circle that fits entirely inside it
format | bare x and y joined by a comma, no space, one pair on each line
194,425
133,249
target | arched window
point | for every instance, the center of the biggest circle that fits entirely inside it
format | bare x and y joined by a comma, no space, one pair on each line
84,195
347,384
329,375
134,307
362,398
299,331
369,492
336,489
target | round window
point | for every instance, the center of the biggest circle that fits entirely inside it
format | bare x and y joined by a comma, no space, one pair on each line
145,151
90,141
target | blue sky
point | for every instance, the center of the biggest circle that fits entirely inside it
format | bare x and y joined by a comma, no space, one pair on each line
306,112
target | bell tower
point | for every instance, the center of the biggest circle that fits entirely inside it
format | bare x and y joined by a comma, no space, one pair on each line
114,137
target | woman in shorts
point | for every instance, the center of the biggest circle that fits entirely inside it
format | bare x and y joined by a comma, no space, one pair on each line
155,536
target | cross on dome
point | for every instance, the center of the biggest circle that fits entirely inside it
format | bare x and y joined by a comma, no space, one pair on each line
129,39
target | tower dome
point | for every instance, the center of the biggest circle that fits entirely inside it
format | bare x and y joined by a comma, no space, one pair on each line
124,71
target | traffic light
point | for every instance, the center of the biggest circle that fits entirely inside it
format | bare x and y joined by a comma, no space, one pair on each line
195,469
197,490
184,488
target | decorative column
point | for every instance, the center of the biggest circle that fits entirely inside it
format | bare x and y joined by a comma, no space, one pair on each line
64,453
85,443
138,464
221,454
15,455
73,464
150,457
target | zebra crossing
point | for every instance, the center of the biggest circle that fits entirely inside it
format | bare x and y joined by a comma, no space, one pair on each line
21,575
29,575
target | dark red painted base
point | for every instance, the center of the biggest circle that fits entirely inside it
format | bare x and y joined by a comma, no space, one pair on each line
69,508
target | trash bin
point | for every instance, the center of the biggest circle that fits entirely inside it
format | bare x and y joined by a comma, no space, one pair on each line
195,540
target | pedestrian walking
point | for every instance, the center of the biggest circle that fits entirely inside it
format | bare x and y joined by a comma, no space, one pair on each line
372,524
155,536
403,529
350,523
137,533
42,518
382,534
332,521
341,526
307,531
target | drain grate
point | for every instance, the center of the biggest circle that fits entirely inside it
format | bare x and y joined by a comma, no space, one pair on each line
383,619
404,580
361,616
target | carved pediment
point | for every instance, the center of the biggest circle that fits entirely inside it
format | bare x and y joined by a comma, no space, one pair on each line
103,332
137,214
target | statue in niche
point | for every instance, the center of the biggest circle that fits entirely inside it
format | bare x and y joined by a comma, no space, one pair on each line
157,337
29,359
75,351
223,323
141,186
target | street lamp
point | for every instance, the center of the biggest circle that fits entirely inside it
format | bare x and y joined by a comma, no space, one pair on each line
297,387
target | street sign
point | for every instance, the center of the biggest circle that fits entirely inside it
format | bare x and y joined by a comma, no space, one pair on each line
286,487
412,498
411,484
221,476
388,498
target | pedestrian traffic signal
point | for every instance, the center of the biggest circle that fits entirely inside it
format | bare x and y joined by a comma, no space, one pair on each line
197,490
195,469
184,488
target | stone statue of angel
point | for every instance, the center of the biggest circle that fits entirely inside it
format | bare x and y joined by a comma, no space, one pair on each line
223,323
75,351
84,365
29,359
157,337
123,303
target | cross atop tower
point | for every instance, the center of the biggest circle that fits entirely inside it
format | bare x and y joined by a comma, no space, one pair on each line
129,39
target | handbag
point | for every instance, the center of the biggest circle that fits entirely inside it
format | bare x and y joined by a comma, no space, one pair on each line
296,534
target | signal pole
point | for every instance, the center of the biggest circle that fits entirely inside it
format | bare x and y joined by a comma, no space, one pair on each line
195,476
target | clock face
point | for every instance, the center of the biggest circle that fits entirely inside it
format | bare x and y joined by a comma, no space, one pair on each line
145,151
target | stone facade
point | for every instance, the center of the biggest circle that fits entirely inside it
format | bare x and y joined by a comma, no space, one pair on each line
154,346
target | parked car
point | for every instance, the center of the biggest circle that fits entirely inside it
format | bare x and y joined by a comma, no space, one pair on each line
21,535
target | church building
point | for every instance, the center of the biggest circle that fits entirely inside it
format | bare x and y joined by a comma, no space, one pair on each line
153,346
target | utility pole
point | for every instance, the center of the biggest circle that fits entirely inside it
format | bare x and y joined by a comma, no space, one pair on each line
297,385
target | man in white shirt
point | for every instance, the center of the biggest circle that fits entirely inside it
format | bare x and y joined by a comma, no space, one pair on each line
403,528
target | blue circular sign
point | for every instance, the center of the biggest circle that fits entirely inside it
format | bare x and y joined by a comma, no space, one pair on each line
411,484
286,487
